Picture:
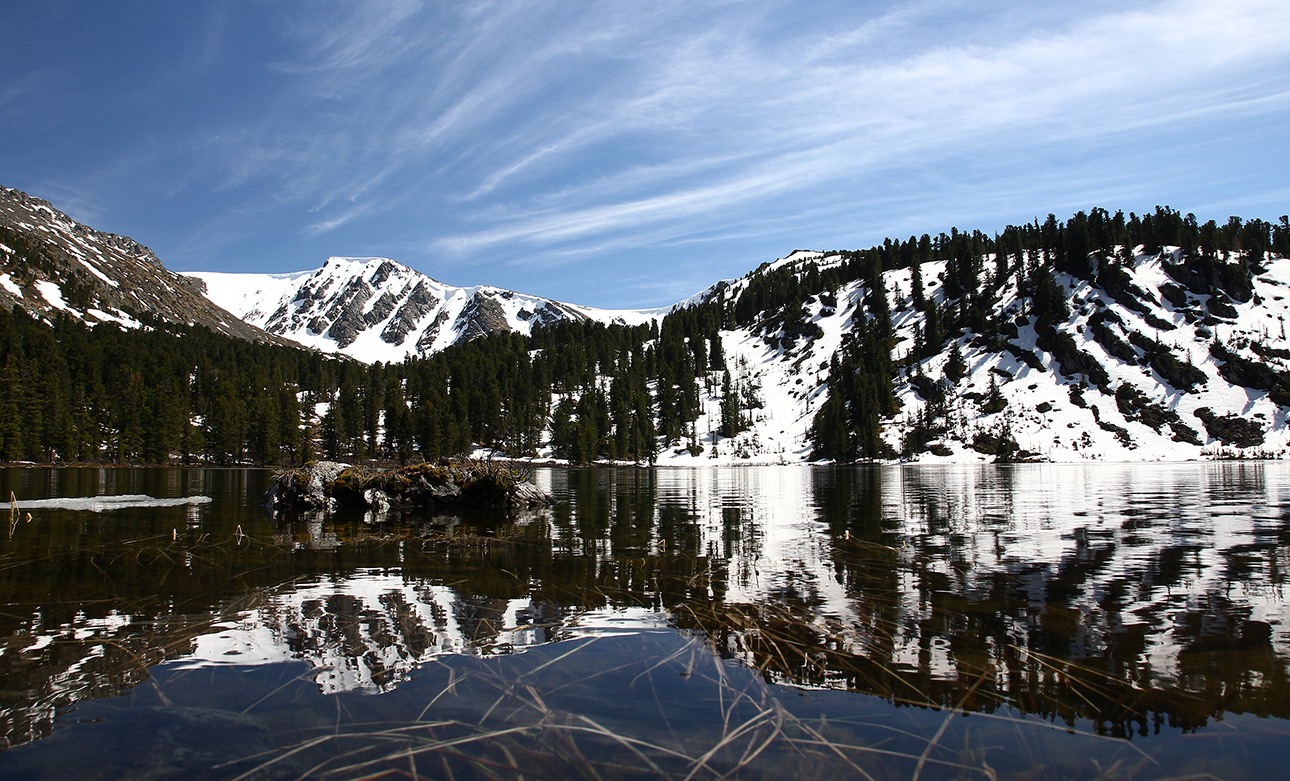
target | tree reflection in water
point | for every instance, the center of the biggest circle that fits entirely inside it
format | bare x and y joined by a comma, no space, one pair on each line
1122,601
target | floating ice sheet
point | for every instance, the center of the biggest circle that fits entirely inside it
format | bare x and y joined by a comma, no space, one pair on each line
98,504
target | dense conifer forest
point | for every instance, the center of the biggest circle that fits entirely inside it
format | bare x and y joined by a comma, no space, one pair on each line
168,394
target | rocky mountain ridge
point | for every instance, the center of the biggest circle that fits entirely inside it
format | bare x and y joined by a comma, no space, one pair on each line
377,309
51,266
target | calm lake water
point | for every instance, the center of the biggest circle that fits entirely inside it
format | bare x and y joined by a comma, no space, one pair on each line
958,622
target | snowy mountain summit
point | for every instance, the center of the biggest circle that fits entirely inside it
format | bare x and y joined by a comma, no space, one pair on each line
377,309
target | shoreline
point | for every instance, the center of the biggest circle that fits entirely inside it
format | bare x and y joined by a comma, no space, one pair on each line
696,464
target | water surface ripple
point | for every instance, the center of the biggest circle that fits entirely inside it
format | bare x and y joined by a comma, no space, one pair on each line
1138,608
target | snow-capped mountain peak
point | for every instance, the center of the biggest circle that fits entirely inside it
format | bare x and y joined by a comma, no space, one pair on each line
377,309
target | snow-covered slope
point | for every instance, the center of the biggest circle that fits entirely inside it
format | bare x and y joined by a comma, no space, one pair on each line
1168,372
1150,370
51,265
376,309
1171,390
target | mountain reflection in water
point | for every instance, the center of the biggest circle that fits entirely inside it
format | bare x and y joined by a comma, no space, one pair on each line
1125,600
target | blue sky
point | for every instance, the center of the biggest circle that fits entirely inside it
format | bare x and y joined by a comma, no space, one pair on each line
627,154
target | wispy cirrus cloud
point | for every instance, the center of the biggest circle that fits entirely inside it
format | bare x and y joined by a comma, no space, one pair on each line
529,134
838,118
360,38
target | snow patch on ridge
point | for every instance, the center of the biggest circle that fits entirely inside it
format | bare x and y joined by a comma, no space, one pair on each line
53,294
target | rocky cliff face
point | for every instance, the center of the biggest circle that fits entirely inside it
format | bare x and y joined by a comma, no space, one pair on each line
51,265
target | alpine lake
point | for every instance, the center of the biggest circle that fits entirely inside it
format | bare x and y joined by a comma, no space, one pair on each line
1102,621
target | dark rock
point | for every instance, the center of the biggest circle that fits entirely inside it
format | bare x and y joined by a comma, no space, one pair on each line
1280,392
551,313
1114,345
1158,323
924,386
381,309
1204,275
1071,360
1184,433
1218,306
1116,282
1121,433
482,315
346,312
1231,429
428,336
1000,445
1110,316
1267,352
1174,294
1135,405
418,303
1181,376
383,272
1025,356
1242,371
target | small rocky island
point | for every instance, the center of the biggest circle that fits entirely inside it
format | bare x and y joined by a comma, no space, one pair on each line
446,485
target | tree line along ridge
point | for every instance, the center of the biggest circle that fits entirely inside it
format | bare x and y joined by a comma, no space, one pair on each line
586,391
